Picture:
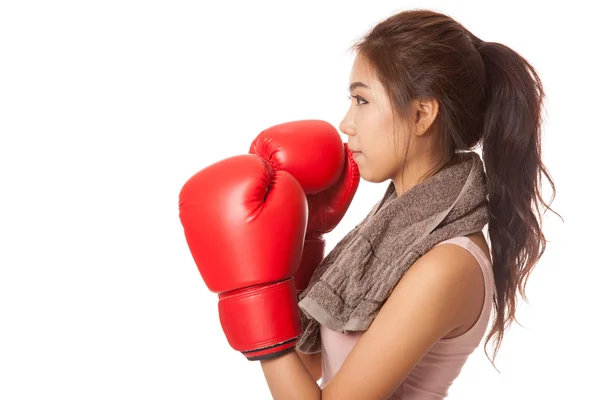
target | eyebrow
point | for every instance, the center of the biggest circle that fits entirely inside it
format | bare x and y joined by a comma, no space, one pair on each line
355,85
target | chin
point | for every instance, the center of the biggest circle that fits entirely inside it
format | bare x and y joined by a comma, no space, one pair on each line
371,177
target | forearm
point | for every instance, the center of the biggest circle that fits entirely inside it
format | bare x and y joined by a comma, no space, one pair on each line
288,379
312,362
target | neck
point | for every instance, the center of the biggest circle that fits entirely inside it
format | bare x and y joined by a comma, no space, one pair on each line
413,174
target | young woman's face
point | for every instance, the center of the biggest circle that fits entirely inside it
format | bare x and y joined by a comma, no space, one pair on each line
369,126
383,145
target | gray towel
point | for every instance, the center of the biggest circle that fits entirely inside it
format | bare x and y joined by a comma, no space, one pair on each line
354,280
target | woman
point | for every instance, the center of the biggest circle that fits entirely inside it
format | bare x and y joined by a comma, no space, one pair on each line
425,90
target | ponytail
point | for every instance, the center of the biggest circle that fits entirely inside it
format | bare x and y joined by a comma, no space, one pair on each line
511,149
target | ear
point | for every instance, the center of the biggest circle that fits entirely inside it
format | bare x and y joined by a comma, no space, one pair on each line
425,113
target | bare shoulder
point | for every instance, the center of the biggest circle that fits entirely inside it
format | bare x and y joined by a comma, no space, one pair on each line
454,269
460,261
451,258
456,258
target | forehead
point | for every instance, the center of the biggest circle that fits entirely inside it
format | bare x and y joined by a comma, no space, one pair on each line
362,72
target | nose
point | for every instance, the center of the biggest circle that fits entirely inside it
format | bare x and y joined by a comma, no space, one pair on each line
347,126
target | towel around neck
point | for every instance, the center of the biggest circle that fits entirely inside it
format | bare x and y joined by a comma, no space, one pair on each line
354,280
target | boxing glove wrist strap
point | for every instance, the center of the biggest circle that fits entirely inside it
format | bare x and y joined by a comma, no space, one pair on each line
261,321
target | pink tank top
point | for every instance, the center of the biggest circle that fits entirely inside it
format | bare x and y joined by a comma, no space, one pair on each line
431,378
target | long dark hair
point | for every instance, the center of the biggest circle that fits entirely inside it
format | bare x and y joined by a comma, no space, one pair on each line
488,96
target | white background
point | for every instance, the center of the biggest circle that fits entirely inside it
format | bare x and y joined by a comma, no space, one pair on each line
107,107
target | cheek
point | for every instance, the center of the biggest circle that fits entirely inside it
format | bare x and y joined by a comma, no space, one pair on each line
377,142
377,163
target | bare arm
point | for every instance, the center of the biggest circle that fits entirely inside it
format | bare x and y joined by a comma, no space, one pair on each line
288,378
312,362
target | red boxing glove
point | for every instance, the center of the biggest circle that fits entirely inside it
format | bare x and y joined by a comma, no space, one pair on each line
326,209
313,152
245,223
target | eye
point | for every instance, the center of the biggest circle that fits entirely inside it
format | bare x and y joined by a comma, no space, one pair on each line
358,100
